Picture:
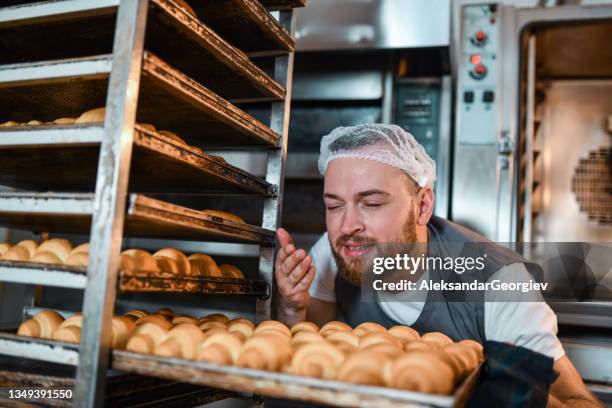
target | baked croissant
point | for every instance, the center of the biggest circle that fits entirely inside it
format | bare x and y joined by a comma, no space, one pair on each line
28,244
440,339
77,259
333,326
204,265
42,325
242,327
180,341
304,326
153,318
16,253
172,136
143,261
304,337
144,337
165,311
346,337
181,260
367,327
46,257
388,349
184,319
220,348
404,333
213,325
5,246
92,115
57,246
421,371
218,317
231,271
136,313
421,345
364,367
476,346
317,359
70,329
371,338
272,325
81,248
466,358
64,121
121,327
264,352
167,266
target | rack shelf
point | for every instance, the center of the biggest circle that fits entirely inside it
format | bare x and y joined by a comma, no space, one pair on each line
146,217
282,4
36,32
43,274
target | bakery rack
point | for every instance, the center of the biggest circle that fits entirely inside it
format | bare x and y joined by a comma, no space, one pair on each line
147,61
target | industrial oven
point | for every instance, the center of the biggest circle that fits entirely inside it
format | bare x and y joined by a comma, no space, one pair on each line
532,152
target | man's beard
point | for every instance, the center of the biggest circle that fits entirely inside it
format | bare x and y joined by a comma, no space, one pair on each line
354,270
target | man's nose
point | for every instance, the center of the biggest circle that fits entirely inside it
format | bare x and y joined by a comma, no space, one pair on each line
351,221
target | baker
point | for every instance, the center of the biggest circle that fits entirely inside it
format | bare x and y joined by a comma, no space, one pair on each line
379,190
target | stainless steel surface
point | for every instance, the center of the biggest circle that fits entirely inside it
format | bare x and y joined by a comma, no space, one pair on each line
354,83
43,274
527,182
589,314
38,349
44,136
47,203
110,202
443,161
31,73
275,171
351,24
31,13
591,358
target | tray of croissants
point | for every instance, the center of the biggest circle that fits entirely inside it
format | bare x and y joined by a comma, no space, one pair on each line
167,269
368,359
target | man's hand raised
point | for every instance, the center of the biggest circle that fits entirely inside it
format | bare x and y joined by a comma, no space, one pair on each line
294,273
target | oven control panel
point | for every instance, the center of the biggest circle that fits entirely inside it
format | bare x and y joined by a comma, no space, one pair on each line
478,74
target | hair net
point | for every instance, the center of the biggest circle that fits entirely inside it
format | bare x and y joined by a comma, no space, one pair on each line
388,144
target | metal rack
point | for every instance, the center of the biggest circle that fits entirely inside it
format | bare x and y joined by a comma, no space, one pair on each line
147,61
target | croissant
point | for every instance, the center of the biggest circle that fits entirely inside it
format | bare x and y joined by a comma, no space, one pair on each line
30,245
16,253
46,257
213,325
78,259
58,246
177,256
421,371
137,313
165,311
204,265
180,341
463,356
144,337
92,115
172,136
404,333
5,247
476,346
81,248
219,317
421,345
333,326
388,349
42,325
231,271
272,325
142,261
69,334
440,339
317,359
371,338
368,327
364,367
167,265
346,337
153,318
220,348
121,327
184,319
242,327
305,337
264,352
304,326
64,121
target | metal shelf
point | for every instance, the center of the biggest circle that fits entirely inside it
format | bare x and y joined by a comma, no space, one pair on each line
212,286
39,349
62,276
247,25
282,4
36,31
168,99
146,217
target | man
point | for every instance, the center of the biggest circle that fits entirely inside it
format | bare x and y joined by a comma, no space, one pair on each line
378,190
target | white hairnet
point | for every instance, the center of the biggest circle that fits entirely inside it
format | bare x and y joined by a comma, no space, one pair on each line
388,144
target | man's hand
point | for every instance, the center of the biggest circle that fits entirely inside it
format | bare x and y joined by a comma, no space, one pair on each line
294,273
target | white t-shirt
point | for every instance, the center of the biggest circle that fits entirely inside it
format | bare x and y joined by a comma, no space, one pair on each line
528,324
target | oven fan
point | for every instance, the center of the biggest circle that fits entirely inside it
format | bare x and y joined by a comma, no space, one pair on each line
592,185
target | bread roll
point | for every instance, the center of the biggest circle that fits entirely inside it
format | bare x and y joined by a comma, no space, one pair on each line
388,349
78,259
334,326
204,265
143,261
92,116
364,367
421,371
317,359
146,335
405,334
368,327
347,337
16,253
264,352
180,342
64,121
30,245
42,325
220,348
184,319
231,271
223,214
216,317
242,326
440,339
371,338
10,123
58,246
5,247
304,326
137,313
172,135
272,325
184,267
121,328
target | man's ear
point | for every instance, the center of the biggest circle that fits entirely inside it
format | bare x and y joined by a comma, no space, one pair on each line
425,205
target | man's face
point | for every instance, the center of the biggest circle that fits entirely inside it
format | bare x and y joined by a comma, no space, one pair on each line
367,204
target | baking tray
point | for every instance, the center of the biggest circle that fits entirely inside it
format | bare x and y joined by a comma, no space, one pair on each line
122,390
172,33
146,217
34,273
237,379
245,24
282,4
168,99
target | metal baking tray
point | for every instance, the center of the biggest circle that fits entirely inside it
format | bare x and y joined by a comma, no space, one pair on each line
168,99
236,379
34,273
282,4
247,25
43,31
122,390
146,217
214,286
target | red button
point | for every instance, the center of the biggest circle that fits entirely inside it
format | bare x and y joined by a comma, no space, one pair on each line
480,69
481,36
475,59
